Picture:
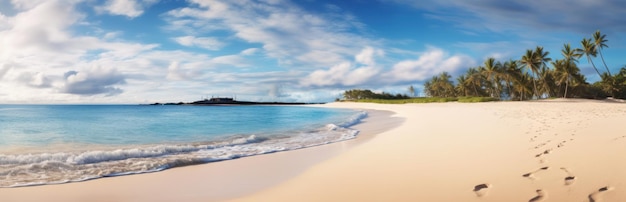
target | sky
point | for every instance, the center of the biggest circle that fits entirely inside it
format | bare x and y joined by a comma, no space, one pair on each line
146,51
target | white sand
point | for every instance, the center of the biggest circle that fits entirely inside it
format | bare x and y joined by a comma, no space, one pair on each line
439,152
443,151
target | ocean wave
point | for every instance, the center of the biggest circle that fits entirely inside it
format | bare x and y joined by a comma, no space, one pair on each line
89,157
63,167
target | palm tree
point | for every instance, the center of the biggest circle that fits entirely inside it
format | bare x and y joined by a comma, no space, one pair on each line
412,90
542,57
541,60
565,73
475,79
608,85
461,86
589,49
600,42
428,86
440,86
571,55
561,77
568,66
492,74
522,85
528,60
510,72
445,85
547,84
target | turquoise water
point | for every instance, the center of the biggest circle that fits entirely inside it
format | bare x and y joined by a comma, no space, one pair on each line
48,144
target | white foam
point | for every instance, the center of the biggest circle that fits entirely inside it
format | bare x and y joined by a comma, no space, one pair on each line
355,119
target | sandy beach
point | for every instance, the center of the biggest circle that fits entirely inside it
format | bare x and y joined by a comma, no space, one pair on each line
557,150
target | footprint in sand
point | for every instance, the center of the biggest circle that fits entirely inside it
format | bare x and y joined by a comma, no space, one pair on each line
595,196
617,138
531,174
547,151
570,178
481,189
540,196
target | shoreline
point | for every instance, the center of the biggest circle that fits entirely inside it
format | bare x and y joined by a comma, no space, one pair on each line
220,180
557,150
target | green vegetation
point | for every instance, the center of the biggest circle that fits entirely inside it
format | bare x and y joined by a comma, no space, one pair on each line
534,76
477,99
427,100
410,100
357,94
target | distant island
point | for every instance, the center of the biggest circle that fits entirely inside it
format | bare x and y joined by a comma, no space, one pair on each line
232,101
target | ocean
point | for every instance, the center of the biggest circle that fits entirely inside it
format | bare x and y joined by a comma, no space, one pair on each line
52,144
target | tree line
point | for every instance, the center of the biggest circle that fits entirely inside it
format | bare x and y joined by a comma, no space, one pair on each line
535,75
358,94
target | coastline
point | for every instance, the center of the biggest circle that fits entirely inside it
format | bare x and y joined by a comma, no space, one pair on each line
554,150
215,181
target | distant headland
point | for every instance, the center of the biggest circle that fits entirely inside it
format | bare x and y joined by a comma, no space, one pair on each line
232,101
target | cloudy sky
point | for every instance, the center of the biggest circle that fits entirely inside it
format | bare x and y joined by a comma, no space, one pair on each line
144,51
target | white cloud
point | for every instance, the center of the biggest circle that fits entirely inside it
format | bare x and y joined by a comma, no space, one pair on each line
26,4
4,24
209,43
230,60
112,35
176,72
432,62
93,81
333,76
287,33
28,31
129,8
250,51
347,73
366,57
39,45
4,68
36,80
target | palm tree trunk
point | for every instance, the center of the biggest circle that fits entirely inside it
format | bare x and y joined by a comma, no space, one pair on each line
594,66
607,67
566,85
508,86
535,86
475,91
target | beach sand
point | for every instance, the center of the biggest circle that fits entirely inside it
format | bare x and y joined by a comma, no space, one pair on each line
558,150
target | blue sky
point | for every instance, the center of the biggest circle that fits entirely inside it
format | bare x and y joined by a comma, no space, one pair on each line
144,51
